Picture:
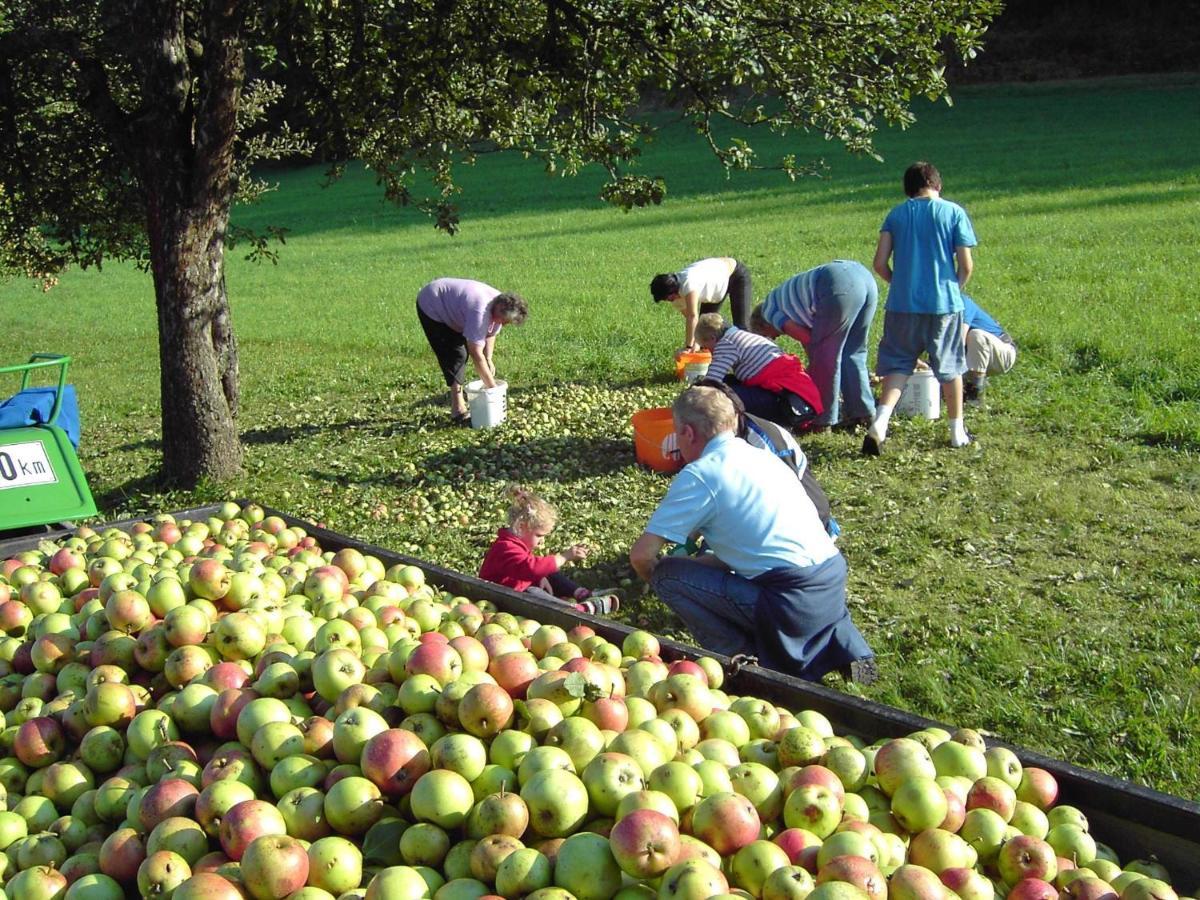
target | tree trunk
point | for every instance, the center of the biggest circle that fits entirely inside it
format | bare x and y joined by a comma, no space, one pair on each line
197,353
185,156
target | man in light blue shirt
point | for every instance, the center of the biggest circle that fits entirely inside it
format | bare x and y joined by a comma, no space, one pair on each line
924,254
774,584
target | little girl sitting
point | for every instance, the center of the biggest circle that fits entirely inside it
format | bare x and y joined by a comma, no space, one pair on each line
511,562
772,384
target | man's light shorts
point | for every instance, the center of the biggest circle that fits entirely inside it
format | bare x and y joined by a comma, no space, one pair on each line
907,335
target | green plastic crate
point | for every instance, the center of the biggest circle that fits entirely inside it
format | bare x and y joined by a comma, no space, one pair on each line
41,480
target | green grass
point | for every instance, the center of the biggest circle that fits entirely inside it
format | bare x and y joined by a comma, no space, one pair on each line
1042,585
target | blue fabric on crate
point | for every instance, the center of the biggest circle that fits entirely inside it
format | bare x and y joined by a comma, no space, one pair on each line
33,406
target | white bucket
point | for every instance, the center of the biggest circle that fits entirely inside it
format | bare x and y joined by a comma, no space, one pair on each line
488,405
693,372
922,396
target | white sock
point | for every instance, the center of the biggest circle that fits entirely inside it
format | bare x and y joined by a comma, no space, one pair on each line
883,415
958,433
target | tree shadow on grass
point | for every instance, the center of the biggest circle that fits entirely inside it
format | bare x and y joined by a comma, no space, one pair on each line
385,426
557,459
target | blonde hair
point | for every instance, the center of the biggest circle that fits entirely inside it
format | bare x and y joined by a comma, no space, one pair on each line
708,410
527,510
710,327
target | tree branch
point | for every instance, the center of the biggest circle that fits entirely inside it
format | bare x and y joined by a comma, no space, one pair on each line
95,94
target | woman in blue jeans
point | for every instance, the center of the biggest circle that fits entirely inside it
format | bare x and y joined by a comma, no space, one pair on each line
829,310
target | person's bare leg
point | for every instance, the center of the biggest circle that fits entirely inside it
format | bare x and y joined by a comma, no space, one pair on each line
458,405
893,386
952,393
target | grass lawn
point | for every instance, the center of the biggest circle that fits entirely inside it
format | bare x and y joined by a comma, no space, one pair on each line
1042,584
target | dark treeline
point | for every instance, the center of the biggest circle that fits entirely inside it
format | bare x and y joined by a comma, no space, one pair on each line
1035,40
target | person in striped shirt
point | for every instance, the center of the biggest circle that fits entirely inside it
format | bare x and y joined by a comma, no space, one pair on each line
771,383
829,310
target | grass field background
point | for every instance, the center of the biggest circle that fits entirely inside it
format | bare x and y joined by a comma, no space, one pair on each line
1042,584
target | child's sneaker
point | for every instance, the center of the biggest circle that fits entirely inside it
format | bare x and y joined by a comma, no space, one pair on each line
603,602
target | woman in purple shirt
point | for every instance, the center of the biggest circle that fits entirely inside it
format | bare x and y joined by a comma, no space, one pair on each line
462,317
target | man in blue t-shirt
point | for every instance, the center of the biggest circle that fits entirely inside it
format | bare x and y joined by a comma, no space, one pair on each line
774,584
990,350
924,254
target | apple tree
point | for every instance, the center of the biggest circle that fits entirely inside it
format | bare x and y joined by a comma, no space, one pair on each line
129,128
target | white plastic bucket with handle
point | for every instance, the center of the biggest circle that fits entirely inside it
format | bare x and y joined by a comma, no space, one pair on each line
488,406
921,397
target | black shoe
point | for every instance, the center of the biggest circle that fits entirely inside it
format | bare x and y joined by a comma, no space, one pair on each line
871,445
974,385
861,671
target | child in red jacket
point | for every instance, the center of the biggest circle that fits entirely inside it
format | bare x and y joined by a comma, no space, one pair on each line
511,562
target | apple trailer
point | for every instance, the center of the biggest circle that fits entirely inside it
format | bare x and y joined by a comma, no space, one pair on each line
1135,821
41,481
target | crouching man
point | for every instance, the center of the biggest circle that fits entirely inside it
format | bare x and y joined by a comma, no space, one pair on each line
990,350
774,584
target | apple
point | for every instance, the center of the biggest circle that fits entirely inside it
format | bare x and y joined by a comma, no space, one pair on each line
442,797
985,830
1026,857
919,803
489,852
645,843
209,578
274,866
856,871
679,781
246,821
1033,889
397,883
849,764
485,710
789,882
726,821
353,729
334,865
609,777
1089,889
952,758
587,868
938,850
995,794
165,799
394,760
753,864
39,742
161,873
1037,786
1002,763
121,854
557,801
813,807
353,805
1073,842
522,873
899,759
502,812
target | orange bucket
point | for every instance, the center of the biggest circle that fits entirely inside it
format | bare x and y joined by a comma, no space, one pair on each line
650,426
697,360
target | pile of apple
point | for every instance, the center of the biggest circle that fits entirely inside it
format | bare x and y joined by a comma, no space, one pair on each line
218,709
